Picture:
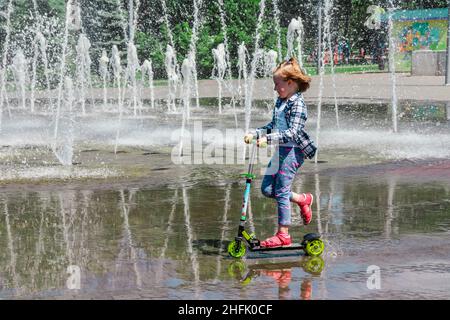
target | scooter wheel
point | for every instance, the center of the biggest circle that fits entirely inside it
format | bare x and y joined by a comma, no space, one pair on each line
236,250
236,269
314,247
314,265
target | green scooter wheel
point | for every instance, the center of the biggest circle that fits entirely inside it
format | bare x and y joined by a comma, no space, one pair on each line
236,269
314,265
314,247
236,250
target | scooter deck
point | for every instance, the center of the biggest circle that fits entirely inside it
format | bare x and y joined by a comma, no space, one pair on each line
294,246
295,250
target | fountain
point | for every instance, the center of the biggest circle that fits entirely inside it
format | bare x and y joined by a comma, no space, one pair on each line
333,73
117,72
19,69
122,20
187,74
253,68
295,33
193,49
83,63
147,73
73,23
270,59
243,69
392,50
321,56
171,63
58,74
131,72
133,9
40,47
220,67
103,70
63,145
229,83
4,60
172,76
276,17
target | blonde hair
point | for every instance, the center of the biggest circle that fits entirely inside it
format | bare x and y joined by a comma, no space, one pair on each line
290,70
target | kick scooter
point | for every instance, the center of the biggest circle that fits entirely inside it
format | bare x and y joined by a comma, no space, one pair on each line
312,245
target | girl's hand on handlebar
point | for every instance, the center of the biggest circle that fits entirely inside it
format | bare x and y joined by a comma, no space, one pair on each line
262,142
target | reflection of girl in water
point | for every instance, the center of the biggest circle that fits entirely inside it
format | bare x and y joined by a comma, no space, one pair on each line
283,277
281,273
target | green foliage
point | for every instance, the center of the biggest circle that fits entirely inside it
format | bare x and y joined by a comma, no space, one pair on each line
106,25
182,38
206,42
149,47
57,7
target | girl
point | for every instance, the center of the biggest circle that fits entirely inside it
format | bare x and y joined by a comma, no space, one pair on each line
287,131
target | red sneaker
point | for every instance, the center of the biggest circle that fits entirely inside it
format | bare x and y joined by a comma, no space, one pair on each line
305,202
278,240
282,277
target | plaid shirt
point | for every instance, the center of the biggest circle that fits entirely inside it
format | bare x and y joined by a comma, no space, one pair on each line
296,115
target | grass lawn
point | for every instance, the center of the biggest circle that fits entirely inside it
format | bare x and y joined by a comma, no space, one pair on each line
312,70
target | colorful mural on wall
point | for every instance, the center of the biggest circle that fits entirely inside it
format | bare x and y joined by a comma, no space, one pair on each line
418,30
427,35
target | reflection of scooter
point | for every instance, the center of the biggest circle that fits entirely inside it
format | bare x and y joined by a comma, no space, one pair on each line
311,244
280,272
238,268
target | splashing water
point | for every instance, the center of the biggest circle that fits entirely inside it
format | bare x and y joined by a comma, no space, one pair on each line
40,49
254,64
147,72
9,10
63,147
228,84
103,70
73,22
392,49
220,67
133,9
132,68
276,17
321,56
270,62
243,69
19,68
172,75
84,63
171,63
295,33
333,73
193,49
117,70
187,74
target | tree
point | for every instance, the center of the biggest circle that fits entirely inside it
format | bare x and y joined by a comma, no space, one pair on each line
105,25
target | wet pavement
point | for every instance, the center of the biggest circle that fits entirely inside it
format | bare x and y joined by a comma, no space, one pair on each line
168,242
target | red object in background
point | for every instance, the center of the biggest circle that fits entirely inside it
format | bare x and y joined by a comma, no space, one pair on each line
335,56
